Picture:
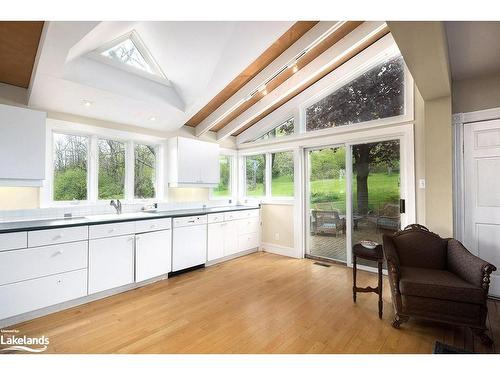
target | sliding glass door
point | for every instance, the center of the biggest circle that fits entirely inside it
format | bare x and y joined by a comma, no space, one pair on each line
376,188
336,221
326,203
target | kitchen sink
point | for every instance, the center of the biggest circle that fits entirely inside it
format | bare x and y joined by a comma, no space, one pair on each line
131,215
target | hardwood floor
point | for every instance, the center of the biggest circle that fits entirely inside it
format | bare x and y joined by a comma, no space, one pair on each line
260,303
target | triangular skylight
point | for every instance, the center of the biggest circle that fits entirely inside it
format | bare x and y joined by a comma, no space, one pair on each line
126,52
129,53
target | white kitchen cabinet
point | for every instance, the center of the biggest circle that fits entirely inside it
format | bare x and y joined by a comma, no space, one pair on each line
22,146
232,232
215,241
29,295
153,254
192,162
230,237
111,262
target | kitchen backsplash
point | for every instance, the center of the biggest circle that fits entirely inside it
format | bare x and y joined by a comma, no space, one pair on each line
85,210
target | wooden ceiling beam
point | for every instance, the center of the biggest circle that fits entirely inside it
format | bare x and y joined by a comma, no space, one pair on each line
18,46
277,48
219,104
338,53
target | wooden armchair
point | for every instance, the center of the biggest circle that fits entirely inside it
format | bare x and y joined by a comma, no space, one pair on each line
437,279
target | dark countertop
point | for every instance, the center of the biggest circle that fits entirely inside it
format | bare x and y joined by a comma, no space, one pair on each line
30,225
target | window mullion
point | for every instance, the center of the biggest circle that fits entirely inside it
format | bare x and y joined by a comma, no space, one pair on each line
129,170
268,174
93,170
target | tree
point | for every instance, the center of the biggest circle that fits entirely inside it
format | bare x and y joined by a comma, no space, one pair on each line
369,155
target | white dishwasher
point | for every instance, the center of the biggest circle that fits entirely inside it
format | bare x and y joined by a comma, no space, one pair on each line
189,242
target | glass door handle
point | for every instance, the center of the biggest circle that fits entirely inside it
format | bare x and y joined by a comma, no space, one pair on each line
402,208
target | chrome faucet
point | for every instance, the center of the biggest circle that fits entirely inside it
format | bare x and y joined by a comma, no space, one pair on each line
117,205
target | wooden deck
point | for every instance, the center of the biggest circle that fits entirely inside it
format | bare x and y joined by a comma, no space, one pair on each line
260,303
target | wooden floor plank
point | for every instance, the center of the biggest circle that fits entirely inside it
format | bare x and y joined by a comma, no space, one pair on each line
260,303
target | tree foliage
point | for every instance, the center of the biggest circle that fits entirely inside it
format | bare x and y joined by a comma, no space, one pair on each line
378,93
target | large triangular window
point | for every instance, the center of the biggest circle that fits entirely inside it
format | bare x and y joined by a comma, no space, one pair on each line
129,53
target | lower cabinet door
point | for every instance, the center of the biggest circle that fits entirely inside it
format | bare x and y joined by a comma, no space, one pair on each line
111,263
248,241
34,294
153,254
230,237
215,244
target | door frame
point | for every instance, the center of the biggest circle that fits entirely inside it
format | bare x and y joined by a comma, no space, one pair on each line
405,134
459,120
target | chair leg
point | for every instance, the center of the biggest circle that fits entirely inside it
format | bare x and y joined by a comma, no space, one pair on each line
399,319
483,336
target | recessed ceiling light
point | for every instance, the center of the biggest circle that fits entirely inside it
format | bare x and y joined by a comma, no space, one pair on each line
152,118
295,68
87,103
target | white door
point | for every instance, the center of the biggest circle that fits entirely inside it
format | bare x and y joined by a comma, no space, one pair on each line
153,254
215,247
230,237
111,263
482,194
189,247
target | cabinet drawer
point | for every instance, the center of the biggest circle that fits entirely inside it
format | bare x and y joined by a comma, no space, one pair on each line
248,241
246,214
111,230
189,220
152,225
251,225
12,241
55,236
25,296
215,218
19,265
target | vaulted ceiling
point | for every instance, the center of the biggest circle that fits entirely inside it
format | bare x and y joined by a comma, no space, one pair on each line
220,76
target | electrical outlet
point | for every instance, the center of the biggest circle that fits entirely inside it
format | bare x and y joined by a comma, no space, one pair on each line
421,183
277,236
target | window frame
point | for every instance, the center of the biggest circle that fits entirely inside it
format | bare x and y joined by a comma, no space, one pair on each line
267,197
93,134
233,173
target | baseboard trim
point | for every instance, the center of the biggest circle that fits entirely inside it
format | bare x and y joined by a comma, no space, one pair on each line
279,249
232,256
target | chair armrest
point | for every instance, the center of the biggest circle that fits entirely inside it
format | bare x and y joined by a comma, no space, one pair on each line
390,253
468,266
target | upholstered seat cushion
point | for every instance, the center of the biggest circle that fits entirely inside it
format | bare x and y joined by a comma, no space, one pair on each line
439,284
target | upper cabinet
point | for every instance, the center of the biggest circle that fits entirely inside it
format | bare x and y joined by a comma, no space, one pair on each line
193,163
22,146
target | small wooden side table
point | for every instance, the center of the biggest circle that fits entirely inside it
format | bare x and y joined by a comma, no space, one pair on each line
375,255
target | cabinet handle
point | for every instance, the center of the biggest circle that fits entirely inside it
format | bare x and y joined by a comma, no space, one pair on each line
58,252
111,230
57,237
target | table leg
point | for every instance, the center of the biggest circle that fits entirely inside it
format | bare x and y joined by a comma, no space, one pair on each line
354,278
380,303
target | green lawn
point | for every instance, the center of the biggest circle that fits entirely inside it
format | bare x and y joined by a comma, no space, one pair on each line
383,188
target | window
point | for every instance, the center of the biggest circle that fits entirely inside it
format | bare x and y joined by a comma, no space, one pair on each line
144,171
283,129
127,53
255,167
70,167
224,187
377,93
282,174
111,179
